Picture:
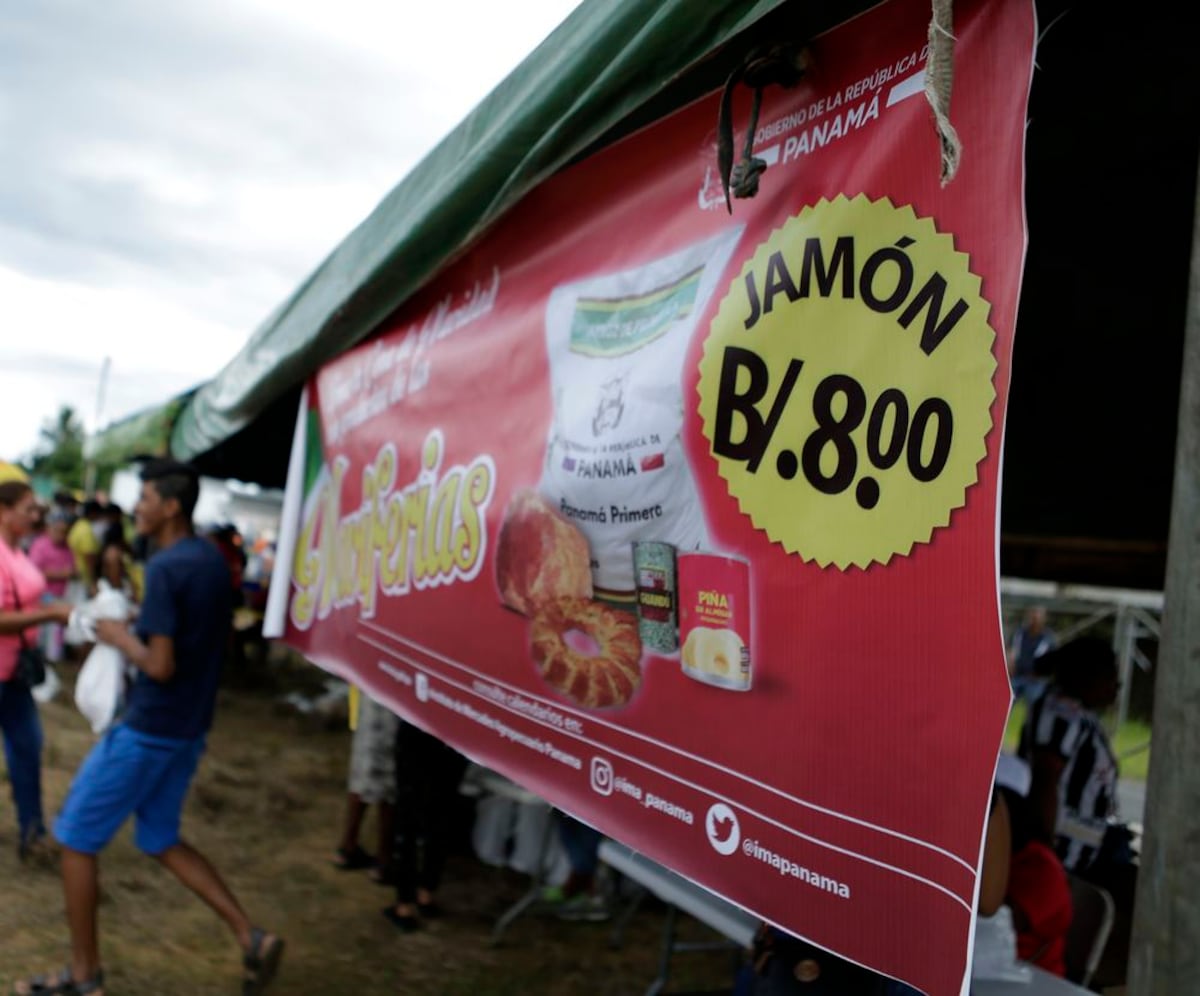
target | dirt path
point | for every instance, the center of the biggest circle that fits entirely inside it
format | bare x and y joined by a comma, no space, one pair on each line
265,809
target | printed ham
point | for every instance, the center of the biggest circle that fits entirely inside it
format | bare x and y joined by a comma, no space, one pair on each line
540,556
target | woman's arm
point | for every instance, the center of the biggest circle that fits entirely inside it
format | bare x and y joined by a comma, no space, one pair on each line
13,622
58,574
997,850
1043,792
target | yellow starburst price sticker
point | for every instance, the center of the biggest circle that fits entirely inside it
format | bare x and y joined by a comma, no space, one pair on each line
846,382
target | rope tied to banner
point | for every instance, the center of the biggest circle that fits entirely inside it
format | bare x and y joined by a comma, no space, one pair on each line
785,65
779,65
939,82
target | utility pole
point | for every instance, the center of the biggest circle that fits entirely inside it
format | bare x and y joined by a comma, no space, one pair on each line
1165,954
89,444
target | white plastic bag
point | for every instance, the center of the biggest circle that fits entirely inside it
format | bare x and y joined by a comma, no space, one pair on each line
100,687
519,835
48,689
615,463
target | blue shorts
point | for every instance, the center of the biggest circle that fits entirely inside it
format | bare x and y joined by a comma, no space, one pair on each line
129,773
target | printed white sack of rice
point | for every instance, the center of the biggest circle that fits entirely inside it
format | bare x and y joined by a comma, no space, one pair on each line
615,465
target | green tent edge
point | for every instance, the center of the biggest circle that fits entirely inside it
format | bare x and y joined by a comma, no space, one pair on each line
146,433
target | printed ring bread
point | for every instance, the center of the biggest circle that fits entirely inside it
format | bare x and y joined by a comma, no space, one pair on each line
611,676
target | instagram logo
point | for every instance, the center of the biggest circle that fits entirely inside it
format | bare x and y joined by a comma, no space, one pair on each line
602,776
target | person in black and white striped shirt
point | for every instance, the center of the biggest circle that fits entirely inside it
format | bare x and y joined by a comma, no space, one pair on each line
1074,789
1064,740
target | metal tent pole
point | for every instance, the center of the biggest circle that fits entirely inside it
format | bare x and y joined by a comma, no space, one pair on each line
1165,956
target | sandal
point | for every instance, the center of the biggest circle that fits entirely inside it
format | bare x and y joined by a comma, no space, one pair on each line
405,924
61,984
38,849
352,860
261,961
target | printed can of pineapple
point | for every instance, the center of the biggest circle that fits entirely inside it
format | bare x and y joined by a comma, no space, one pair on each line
657,601
715,619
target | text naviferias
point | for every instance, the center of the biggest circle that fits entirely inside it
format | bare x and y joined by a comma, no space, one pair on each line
431,532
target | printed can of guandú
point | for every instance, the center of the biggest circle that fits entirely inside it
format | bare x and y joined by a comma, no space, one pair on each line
657,596
715,619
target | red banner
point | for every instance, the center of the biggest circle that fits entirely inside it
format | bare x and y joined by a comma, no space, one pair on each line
687,521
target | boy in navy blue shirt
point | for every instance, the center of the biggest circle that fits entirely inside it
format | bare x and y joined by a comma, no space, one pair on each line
144,765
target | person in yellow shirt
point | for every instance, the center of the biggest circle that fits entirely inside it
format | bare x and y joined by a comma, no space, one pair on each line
85,544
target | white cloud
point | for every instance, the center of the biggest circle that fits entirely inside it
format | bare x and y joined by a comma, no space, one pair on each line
182,167
58,334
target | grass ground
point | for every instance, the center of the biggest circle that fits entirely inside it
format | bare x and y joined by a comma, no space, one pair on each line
1131,742
266,809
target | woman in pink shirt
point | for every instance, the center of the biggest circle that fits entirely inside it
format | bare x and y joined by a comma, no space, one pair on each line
21,612
51,555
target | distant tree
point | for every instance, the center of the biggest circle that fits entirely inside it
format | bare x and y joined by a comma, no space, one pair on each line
59,453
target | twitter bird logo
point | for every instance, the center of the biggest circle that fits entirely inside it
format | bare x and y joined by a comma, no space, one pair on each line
721,825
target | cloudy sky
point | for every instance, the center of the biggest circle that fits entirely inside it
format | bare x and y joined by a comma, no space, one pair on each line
172,170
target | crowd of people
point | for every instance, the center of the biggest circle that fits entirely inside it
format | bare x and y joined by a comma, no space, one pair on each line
1072,799
176,641
80,547
413,779
1066,820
